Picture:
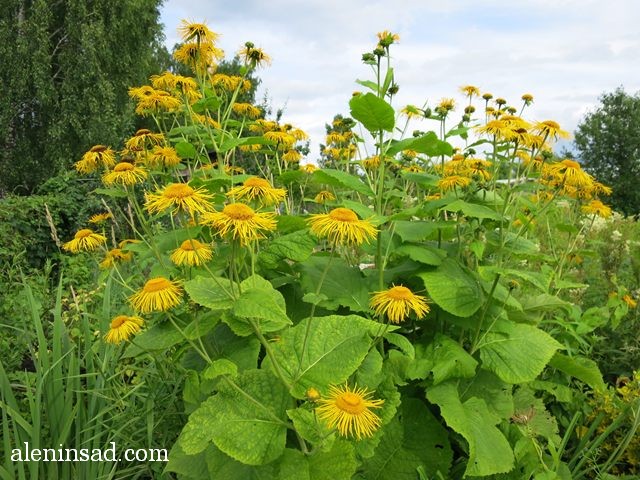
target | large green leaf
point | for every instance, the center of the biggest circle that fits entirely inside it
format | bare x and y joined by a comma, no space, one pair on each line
517,353
374,113
429,144
338,178
296,246
211,292
497,394
322,351
489,450
338,463
260,301
582,368
425,254
341,285
245,421
453,288
444,358
472,210
413,440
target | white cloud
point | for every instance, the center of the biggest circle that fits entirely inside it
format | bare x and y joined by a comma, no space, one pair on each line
565,52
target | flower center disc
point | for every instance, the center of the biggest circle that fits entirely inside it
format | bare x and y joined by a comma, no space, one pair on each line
343,215
156,285
118,321
400,293
84,233
142,131
552,124
238,211
123,167
350,403
98,148
571,164
190,245
256,182
178,190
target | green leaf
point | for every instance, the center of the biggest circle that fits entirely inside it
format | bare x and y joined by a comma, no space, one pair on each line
186,150
220,367
584,369
414,439
429,144
422,179
208,103
517,353
338,463
159,337
495,393
369,84
489,450
111,192
307,425
338,178
415,231
210,292
424,254
260,301
472,210
296,246
531,411
450,360
453,288
245,421
374,113
335,348
342,285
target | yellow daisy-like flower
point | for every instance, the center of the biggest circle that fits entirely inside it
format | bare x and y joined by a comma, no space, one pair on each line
122,328
125,173
192,253
386,38
349,411
283,139
196,31
527,98
570,172
99,218
371,163
98,156
253,56
157,295
631,303
143,139
198,55
85,240
550,129
179,196
308,168
446,104
247,110
260,189
291,156
470,90
499,128
397,302
596,207
241,221
113,256
450,183
342,227
157,101
324,196
164,156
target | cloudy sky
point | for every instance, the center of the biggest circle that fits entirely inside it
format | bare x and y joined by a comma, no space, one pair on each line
564,52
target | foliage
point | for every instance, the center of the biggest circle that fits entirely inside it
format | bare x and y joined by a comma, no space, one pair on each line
66,68
608,144
404,314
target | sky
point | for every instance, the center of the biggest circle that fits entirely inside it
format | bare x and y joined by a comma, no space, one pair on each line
566,53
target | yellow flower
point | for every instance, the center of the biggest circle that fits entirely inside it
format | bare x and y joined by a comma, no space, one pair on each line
98,156
191,252
241,221
198,55
631,303
450,183
196,31
446,104
157,295
324,196
157,101
596,207
260,189
308,168
551,129
371,163
179,196
115,255
246,109
342,226
386,38
291,156
281,139
470,90
527,98
125,173
100,217
349,411
143,139
164,156
498,128
85,240
570,172
122,328
312,395
397,302
253,56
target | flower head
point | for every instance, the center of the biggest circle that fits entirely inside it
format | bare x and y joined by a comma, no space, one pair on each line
122,328
324,196
596,207
550,129
113,256
157,295
144,138
470,90
628,299
199,32
99,218
349,411
253,56
98,156
163,156
124,173
179,196
241,222
386,38
192,253
453,181
397,302
342,227
85,240
260,189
